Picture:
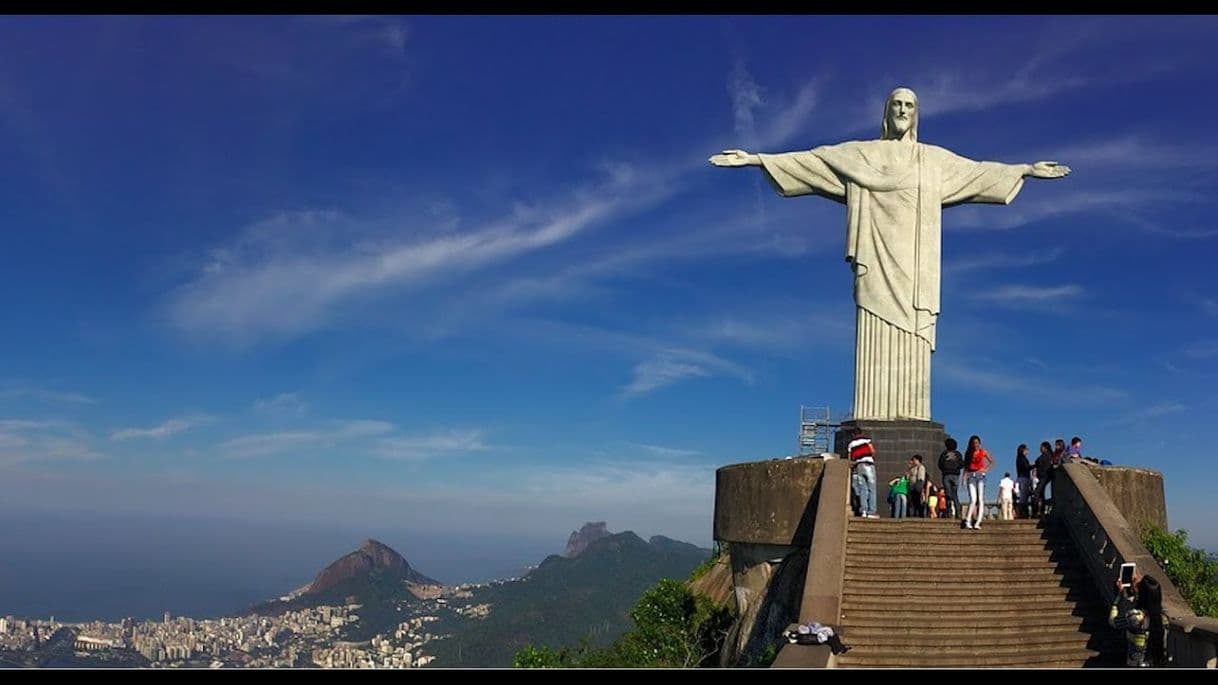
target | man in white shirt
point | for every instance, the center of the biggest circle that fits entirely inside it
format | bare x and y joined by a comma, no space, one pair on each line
1006,497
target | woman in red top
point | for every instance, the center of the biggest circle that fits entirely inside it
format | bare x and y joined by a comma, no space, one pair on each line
976,461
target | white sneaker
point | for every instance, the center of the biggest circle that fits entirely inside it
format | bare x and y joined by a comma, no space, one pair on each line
977,526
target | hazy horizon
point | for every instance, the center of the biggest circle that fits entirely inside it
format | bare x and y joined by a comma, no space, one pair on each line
78,568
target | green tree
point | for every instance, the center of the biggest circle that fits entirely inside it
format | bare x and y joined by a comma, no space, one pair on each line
541,657
1190,569
674,628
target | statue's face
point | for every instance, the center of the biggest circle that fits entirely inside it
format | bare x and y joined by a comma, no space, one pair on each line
901,109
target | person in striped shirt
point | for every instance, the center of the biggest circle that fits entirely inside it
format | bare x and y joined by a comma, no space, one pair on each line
862,460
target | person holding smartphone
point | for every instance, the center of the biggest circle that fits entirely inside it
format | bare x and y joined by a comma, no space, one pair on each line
1124,614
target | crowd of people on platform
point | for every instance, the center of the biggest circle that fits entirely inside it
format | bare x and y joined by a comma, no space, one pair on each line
917,494
1136,609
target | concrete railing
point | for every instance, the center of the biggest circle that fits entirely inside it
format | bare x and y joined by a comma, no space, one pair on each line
1106,540
822,598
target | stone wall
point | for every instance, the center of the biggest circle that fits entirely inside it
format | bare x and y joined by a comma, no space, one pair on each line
767,502
1137,493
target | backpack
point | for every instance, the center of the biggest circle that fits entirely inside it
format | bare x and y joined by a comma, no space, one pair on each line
950,462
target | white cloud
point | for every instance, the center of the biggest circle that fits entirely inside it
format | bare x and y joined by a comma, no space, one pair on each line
285,404
1000,260
1203,350
954,91
790,120
330,435
1112,202
1022,294
665,452
1162,409
1142,415
164,430
18,391
415,448
746,97
1134,152
290,274
993,379
675,365
25,440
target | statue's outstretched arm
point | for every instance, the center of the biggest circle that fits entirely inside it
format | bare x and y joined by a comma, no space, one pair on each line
1047,170
735,158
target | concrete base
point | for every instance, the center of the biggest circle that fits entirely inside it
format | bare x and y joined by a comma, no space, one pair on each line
895,442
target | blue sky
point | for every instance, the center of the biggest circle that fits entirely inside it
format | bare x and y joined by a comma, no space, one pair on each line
475,274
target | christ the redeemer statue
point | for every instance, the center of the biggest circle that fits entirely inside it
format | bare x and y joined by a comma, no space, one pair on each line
894,190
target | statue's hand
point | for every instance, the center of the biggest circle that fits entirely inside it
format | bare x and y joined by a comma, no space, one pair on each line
733,158
1049,170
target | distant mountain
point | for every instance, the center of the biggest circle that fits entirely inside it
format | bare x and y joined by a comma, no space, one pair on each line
374,576
355,569
565,599
588,534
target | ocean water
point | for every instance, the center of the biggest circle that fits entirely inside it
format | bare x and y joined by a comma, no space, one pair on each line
83,566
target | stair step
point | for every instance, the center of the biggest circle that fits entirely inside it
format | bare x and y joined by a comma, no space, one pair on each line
954,542
936,563
936,593
970,616
928,650
993,644
1078,628
954,532
915,574
1073,660
865,620
923,604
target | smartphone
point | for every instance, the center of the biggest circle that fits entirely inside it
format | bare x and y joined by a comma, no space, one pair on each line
1127,575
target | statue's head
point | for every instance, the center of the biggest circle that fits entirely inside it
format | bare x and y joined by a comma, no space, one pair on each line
900,116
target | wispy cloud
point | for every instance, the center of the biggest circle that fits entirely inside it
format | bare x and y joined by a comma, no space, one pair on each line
665,452
995,380
763,121
288,274
746,98
329,435
1156,226
790,119
1137,153
285,404
18,391
774,327
1113,203
1144,415
676,365
164,430
1000,260
26,440
1162,409
420,447
1204,349
1024,294
955,91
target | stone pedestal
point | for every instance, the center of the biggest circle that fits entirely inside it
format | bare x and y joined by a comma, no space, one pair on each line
895,442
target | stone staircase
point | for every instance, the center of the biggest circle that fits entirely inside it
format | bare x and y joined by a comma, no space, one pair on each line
924,593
